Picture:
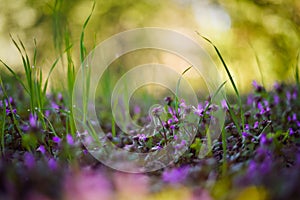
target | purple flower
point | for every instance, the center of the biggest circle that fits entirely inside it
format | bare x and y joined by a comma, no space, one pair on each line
54,106
291,131
294,117
171,111
245,134
199,111
250,100
70,140
257,87
175,176
256,125
298,124
56,139
137,110
264,140
60,97
172,127
41,149
29,160
11,111
224,104
52,164
288,95
276,99
181,145
295,94
33,120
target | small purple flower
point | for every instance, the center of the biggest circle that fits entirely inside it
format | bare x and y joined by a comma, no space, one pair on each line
56,139
224,104
294,117
294,94
11,111
199,111
168,100
47,113
33,120
155,148
29,160
245,134
41,149
52,164
170,121
175,176
172,127
264,140
256,124
291,131
136,110
171,111
70,140
257,87
60,97
298,124
250,100
142,137
181,145
276,99
288,95
175,119
247,127
54,106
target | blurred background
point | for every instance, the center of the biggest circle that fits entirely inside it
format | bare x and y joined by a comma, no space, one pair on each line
259,39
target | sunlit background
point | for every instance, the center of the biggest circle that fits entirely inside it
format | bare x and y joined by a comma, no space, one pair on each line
259,39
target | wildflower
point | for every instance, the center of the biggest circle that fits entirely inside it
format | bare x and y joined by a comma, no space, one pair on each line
171,111
256,124
264,140
288,96
60,97
33,120
156,111
181,145
276,99
245,134
29,160
54,106
155,148
70,140
291,131
199,111
56,139
224,104
278,87
41,149
168,100
137,110
257,87
175,176
52,164
10,111
250,100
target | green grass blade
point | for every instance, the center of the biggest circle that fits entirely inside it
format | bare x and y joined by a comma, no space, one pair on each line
258,65
82,46
15,75
48,76
177,88
224,64
297,69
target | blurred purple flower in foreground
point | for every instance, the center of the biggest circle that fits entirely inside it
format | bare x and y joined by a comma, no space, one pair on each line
176,175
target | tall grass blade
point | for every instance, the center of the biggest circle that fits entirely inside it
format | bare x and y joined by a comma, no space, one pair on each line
297,69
